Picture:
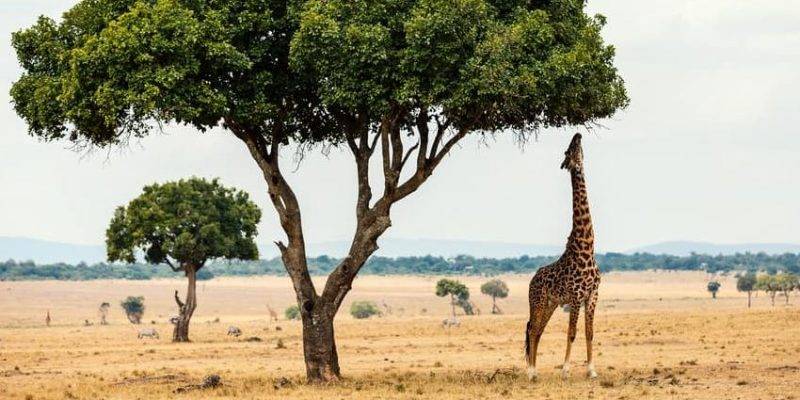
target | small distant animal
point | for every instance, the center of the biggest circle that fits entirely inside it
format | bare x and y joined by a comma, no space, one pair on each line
174,319
148,333
450,322
234,331
86,323
273,315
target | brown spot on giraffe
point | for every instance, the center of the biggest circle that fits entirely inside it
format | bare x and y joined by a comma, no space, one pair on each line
572,280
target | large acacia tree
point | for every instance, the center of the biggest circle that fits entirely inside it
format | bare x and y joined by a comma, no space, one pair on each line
404,79
183,225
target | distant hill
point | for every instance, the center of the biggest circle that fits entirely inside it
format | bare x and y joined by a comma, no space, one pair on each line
684,248
45,251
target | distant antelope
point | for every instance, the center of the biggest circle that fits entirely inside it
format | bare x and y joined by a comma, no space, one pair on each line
273,316
234,331
148,333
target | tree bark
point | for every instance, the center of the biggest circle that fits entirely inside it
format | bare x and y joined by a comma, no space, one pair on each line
319,349
185,310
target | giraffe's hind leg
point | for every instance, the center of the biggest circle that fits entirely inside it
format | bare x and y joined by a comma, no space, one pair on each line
574,309
541,311
591,303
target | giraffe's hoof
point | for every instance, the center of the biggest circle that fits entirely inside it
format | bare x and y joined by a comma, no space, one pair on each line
592,374
565,373
532,374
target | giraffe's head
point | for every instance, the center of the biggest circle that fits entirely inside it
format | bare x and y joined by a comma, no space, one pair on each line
573,157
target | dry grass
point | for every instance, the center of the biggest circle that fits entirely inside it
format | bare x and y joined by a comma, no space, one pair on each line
658,335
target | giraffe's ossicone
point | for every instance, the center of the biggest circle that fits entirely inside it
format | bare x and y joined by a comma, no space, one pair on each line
573,279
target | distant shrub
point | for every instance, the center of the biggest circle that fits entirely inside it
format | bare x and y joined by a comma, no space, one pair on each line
134,308
713,287
292,312
363,309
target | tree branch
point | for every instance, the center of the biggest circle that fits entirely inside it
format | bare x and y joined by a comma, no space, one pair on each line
408,155
172,266
178,300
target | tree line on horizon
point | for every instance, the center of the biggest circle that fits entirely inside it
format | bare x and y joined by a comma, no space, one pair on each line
425,265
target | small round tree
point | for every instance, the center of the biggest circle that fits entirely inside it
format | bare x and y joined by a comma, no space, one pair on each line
363,309
713,287
458,292
786,282
183,225
497,289
747,283
134,308
769,284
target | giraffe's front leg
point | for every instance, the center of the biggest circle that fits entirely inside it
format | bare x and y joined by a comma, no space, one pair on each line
574,309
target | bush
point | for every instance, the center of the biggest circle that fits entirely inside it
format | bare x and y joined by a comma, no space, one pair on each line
134,308
363,309
292,312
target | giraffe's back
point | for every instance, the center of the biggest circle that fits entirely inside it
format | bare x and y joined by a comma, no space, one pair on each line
566,281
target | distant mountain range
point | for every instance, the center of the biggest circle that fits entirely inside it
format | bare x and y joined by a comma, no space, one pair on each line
43,251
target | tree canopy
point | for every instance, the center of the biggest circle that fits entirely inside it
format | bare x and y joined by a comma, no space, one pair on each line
495,288
746,282
451,287
301,69
185,223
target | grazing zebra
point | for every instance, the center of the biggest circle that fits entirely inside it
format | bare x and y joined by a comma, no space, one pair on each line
450,322
148,333
232,330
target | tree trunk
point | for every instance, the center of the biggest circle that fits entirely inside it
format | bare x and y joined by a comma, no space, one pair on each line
185,310
749,296
319,349
494,305
452,306
714,295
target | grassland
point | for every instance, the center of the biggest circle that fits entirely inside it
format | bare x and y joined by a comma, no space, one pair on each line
658,335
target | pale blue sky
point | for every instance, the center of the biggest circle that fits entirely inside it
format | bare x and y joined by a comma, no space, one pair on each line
708,150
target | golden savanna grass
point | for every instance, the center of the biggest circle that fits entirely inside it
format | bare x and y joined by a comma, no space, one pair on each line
658,335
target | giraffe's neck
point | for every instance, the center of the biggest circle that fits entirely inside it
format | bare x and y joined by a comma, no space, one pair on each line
581,239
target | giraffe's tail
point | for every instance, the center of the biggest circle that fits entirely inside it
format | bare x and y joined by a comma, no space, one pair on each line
528,343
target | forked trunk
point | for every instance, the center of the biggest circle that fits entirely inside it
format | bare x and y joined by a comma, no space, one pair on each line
185,310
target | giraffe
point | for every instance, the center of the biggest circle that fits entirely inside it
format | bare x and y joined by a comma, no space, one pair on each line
272,314
572,280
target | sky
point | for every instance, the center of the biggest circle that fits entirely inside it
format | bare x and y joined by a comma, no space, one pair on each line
707,151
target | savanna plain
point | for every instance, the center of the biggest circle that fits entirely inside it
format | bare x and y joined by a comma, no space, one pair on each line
658,335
